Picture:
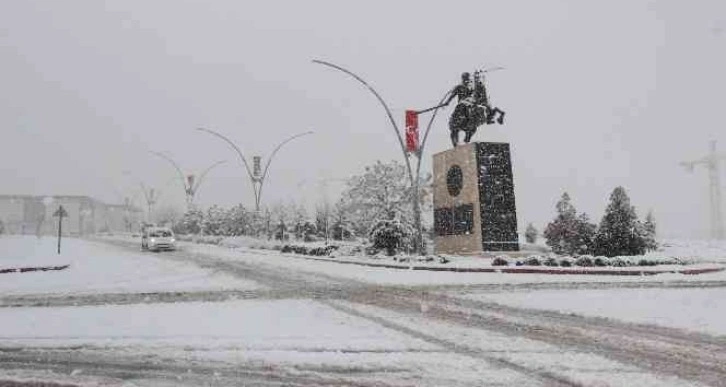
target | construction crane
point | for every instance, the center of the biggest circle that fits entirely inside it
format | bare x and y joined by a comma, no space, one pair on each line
711,161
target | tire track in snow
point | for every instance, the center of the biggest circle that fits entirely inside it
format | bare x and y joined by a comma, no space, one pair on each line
664,351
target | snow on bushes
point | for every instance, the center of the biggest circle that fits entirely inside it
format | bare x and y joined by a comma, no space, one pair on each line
590,261
500,261
307,250
391,235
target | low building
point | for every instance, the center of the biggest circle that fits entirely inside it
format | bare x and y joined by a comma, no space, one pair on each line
27,214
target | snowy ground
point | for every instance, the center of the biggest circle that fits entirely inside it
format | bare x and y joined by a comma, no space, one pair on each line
99,268
210,315
695,309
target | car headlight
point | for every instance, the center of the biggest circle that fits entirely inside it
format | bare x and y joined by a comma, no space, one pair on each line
173,240
153,240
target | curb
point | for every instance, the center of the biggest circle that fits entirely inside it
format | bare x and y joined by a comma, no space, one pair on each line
523,270
29,269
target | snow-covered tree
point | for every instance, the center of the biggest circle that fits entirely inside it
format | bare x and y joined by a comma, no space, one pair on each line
299,220
530,234
650,232
238,221
190,222
382,192
569,233
620,232
340,227
322,219
213,223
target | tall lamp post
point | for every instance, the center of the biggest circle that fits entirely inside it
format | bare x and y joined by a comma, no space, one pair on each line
257,176
711,162
189,182
415,178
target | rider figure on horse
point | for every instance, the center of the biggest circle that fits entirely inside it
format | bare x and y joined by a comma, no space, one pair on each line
473,108
464,91
483,110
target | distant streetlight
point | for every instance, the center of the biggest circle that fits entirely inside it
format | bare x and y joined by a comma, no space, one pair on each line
256,175
711,162
150,195
413,177
189,182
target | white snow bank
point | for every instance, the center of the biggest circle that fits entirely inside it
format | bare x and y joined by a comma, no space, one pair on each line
96,267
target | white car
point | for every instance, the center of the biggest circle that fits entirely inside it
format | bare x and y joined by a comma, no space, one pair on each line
158,238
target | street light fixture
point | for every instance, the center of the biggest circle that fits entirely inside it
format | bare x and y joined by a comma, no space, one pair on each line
415,178
189,183
257,177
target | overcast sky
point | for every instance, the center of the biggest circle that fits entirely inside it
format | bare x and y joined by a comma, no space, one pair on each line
597,93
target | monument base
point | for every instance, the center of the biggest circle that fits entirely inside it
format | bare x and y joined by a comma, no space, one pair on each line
474,206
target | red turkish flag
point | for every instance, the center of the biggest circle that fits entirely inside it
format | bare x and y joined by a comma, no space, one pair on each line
411,130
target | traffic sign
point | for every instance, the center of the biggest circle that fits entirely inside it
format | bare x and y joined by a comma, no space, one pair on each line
60,212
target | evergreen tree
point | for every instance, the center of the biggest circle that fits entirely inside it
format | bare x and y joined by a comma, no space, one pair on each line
530,235
620,232
650,232
585,235
569,233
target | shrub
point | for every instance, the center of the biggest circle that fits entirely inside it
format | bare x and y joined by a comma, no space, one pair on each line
500,261
551,261
532,261
647,262
620,262
391,235
566,262
315,251
600,261
584,260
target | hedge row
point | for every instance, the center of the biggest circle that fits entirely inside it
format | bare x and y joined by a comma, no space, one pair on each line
587,261
304,250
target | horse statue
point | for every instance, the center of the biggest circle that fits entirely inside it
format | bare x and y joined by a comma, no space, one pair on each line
473,109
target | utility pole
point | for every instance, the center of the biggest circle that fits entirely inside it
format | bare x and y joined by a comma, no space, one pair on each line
151,198
711,162
257,176
414,177
60,214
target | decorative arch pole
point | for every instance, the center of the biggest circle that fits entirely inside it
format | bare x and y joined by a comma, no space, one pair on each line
257,179
190,186
414,178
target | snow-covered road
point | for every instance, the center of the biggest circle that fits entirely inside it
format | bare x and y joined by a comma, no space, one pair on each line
260,318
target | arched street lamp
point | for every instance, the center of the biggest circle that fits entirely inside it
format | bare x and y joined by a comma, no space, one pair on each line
415,178
257,176
189,182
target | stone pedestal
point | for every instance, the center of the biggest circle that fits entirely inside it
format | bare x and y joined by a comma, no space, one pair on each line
474,208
